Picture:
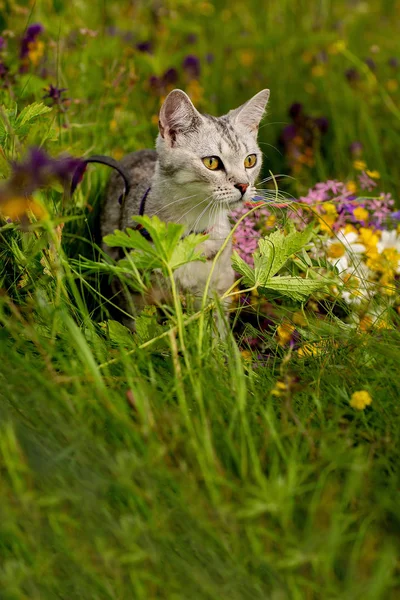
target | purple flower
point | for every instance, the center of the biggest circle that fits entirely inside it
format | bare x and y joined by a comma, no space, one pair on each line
370,63
352,75
210,58
55,94
356,148
30,36
145,47
191,38
393,62
322,123
191,66
396,215
296,110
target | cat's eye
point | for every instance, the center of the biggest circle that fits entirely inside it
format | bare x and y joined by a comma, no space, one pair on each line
250,161
212,162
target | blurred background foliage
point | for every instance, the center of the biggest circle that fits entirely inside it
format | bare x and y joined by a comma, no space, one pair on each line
111,64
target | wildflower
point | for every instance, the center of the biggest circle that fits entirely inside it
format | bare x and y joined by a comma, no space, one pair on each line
337,47
35,172
191,66
393,62
356,148
31,47
246,355
145,47
55,94
361,214
359,400
373,174
311,349
247,58
279,389
352,75
284,333
359,165
366,182
351,186
370,63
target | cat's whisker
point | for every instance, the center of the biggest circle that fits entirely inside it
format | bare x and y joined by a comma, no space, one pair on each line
193,207
197,221
175,201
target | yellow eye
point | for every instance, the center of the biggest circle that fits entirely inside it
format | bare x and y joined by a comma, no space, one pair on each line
250,161
212,162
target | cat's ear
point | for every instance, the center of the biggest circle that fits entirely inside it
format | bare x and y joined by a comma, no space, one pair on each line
251,112
177,115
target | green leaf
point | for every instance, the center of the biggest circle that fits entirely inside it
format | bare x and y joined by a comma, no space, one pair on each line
277,248
296,288
187,250
241,267
165,236
31,112
130,239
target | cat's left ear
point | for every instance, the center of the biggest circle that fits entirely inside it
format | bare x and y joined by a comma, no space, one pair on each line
251,112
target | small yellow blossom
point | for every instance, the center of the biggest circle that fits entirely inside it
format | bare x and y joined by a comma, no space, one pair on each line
113,125
392,85
15,208
337,47
247,58
336,250
360,165
271,221
373,174
246,355
195,91
318,71
361,214
118,153
154,119
349,229
351,186
365,323
284,333
279,389
359,400
308,350
36,51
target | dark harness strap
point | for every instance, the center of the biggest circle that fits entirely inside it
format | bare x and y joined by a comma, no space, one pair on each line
102,160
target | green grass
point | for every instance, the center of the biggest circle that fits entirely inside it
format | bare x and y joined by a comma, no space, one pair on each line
171,470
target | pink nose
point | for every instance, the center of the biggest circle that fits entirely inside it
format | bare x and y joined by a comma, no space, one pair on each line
242,187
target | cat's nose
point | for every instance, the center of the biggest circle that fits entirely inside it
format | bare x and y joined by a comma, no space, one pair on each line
242,187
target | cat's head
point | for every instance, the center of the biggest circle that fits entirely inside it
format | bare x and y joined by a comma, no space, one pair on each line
216,157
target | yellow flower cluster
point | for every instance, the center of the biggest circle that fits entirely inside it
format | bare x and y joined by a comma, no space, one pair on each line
360,400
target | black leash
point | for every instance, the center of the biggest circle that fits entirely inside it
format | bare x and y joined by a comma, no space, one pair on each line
102,160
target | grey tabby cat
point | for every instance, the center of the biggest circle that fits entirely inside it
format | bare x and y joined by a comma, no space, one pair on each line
203,168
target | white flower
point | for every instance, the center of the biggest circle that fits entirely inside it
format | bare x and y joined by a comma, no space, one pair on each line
349,240
389,239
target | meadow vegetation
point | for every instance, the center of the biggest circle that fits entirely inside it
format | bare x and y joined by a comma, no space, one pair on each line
172,463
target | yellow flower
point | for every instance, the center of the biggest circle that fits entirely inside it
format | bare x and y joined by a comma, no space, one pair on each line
359,400
154,119
246,355
392,85
337,47
360,165
308,350
271,221
113,125
373,174
318,71
336,250
35,52
117,153
349,229
284,333
279,389
195,91
360,213
16,207
247,58
351,186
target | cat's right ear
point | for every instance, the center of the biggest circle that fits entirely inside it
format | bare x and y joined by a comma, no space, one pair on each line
177,115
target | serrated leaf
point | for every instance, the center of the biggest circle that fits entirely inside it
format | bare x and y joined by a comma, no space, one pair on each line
187,250
31,112
131,239
165,236
118,333
296,288
241,267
